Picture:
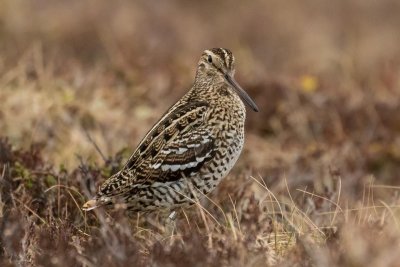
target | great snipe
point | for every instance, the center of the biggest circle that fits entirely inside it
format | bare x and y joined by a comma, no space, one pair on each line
190,149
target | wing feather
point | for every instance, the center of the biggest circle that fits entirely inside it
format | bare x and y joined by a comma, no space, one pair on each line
177,146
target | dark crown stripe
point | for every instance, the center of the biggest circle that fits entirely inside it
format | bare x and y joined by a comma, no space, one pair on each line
225,55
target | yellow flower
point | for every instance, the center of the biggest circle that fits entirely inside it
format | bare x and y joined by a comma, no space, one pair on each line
308,83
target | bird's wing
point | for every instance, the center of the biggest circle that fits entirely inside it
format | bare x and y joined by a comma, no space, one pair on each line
183,155
176,146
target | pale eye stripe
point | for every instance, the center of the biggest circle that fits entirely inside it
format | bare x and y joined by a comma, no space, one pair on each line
231,60
209,53
225,53
226,57
218,54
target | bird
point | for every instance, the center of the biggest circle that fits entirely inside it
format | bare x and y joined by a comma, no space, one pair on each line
190,149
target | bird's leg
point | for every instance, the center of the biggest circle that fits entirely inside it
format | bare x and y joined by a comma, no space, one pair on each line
170,224
172,216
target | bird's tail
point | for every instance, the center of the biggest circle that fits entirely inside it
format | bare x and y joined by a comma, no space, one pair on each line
91,204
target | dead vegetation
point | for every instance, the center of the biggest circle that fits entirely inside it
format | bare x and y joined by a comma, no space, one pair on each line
317,184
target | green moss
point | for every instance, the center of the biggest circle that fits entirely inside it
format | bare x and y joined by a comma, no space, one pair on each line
50,180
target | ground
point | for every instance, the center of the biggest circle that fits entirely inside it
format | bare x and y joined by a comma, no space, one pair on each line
316,185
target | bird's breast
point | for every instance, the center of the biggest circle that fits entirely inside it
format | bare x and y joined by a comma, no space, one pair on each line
227,125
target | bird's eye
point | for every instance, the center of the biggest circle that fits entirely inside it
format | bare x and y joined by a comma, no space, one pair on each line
209,59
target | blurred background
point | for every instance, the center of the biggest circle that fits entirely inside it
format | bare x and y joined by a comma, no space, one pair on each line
325,75
325,146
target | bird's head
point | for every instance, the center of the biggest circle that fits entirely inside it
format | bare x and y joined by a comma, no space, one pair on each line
218,64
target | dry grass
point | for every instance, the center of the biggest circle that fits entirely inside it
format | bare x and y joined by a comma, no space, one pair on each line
317,184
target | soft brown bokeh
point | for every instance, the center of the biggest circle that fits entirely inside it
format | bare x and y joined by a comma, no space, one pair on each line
325,75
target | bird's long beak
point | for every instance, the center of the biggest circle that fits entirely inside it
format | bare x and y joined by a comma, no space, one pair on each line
243,95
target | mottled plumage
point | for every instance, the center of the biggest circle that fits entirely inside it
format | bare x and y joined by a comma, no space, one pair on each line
190,149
